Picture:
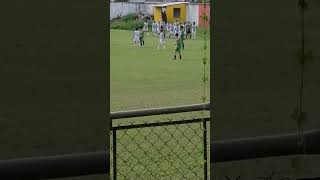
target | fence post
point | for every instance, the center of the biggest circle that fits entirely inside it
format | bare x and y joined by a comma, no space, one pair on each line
114,144
205,149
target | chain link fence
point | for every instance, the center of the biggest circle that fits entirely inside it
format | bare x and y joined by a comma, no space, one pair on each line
174,148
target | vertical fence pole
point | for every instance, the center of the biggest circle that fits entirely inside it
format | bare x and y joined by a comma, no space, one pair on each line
114,144
205,149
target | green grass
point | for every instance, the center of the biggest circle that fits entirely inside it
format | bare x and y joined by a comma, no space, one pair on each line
146,78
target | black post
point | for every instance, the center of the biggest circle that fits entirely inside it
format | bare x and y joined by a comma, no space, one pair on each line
114,144
204,122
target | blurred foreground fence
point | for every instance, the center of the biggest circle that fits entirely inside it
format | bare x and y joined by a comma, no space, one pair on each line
174,148
59,166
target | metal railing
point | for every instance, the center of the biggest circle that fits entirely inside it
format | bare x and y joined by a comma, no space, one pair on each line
168,148
265,146
58,166
159,111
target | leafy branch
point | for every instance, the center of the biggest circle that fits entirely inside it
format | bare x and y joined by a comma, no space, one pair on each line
204,81
298,114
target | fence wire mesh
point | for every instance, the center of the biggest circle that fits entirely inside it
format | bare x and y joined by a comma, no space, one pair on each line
170,149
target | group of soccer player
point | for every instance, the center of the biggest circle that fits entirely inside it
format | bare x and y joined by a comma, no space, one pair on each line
180,31
171,29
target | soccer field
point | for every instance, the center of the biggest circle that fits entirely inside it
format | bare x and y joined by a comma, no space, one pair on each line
146,77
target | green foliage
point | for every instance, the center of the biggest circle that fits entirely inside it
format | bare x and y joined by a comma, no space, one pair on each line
304,58
201,32
130,17
298,114
300,117
303,5
129,22
204,58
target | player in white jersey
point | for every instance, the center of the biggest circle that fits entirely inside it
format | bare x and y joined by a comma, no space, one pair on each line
193,30
158,27
154,28
136,37
145,27
161,40
168,27
185,29
171,31
177,29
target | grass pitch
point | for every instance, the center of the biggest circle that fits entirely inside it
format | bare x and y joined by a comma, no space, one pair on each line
146,77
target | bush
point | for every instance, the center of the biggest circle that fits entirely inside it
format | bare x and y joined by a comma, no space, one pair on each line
129,22
129,17
200,32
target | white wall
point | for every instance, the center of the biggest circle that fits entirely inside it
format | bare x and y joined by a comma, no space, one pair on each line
192,13
124,8
149,8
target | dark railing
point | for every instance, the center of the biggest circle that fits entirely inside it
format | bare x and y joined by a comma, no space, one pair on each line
265,146
159,111
59,166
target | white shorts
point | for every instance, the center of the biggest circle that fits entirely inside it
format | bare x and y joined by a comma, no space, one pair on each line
136,39
162,41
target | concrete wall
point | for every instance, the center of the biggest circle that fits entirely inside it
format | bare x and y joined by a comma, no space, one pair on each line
192,13
203,10
124,8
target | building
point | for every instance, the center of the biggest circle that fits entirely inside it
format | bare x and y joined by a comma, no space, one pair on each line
170,12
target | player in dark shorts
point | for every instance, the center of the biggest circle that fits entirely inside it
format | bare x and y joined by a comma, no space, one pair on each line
182,36
178,47
141,37
188,30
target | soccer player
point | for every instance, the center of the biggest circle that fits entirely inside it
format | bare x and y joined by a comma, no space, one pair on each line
178,47
145,28
172,30
188,27
177,29
154,28
161,41
182,36
158,27
136,37
185,29
168,28
193,30
162,29
141,37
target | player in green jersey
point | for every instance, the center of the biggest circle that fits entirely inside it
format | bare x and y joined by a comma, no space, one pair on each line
182,36
178,47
